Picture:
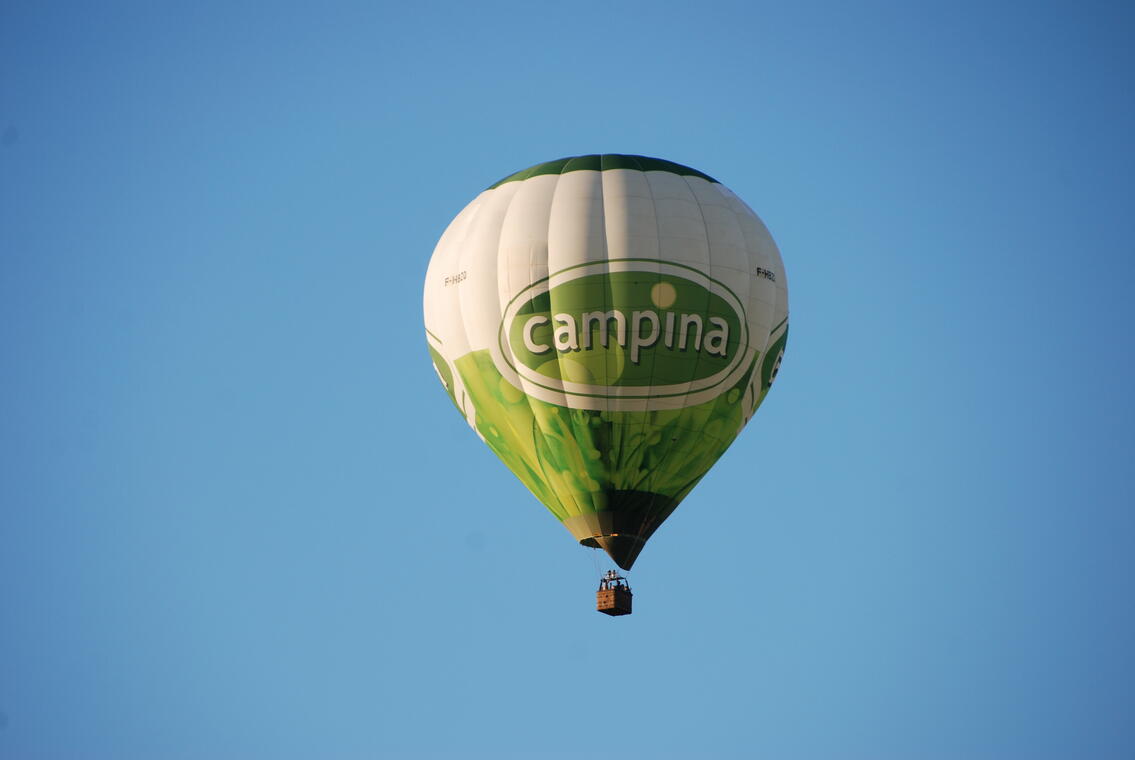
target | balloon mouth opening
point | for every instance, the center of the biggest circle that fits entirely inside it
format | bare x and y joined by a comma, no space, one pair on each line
594,541
623,549
622,529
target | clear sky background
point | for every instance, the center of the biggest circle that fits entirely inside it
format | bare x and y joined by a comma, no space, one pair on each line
239,518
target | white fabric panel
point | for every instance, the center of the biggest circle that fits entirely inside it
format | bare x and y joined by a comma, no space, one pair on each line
442,318
727,244
710,193
632,229
761,315
681,232
477,295
523,249
576,228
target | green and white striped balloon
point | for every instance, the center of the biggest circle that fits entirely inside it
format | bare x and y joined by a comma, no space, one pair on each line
607,324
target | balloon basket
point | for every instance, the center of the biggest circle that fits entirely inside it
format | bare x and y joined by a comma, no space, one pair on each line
614,595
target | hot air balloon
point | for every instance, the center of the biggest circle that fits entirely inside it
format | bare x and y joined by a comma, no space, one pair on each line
607,324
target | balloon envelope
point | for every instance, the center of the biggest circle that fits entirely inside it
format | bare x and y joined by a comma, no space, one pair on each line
607,324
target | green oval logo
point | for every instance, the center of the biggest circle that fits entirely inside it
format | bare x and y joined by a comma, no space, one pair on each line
625,329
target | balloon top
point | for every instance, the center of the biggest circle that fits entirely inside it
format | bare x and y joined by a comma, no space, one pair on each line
603,162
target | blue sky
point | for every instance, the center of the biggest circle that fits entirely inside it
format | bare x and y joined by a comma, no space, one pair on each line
239,517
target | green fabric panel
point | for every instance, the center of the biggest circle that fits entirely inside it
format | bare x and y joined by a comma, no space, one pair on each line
639,465
444,373
603,162
583,163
